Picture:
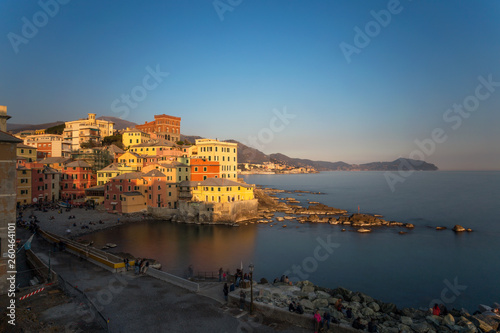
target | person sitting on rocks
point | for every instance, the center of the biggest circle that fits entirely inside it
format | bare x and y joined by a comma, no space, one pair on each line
338,305
443,310
436,310
348,313
292,307
326,320
300,309
372,326
357,324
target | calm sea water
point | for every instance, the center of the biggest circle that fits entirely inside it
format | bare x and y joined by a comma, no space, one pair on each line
415,269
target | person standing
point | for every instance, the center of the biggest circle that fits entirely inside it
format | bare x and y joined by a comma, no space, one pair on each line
242,299
317,320
326,320
225,290
220,274
137,265
127,264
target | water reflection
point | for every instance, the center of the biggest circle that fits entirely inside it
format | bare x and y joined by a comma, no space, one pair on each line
176,246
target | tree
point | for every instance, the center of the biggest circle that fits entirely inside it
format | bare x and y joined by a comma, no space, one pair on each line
113,139
58,129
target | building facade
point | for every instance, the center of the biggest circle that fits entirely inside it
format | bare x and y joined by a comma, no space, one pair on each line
49,145
202,169
91,129
76,177
219,151
164,126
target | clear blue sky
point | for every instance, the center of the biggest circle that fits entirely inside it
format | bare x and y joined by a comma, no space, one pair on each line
230,67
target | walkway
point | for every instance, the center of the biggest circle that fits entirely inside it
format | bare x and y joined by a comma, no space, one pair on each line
142,303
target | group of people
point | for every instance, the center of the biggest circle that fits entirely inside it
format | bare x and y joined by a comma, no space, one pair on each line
283,279
294,307
141,266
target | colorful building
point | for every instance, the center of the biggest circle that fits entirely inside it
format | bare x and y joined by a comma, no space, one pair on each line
23,188
153,148
202,169
220,151
49,145
76,177
27,151
164,126
133,136
115,189
131,159
112,170
215,190
91,129
56,162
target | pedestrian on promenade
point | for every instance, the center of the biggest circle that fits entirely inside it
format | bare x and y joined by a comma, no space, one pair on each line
326,320
220,274
242,299
127,264
137,265
190,271
225,290
146,266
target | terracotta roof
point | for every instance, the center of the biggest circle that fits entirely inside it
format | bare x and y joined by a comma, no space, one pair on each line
155,173
50,160
222,182
130,175
78,163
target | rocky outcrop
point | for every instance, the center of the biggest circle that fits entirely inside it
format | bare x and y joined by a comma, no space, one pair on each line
387,315
458,228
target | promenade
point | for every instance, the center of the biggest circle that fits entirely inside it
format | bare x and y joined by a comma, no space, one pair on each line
142,303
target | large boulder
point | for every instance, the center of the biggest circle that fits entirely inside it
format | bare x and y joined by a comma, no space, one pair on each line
420,327
367,312
320,303
448,320
322,294
480,322
307,289
374,306
406,320
435,320
388,307
356,298
344,293
306,304
458,228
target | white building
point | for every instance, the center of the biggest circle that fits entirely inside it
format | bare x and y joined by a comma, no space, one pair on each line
80,131
49,145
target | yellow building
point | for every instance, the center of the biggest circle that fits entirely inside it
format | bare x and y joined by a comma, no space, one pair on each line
217,190
112,170
23,185
133,202
223,152
175,171
26,151
152,148
132,159
39,131
133,136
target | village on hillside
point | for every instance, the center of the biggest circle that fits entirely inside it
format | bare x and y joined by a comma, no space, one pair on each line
146,169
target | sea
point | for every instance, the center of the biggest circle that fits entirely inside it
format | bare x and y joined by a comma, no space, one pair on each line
416,269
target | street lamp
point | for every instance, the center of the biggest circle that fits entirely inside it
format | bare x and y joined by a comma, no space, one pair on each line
251,267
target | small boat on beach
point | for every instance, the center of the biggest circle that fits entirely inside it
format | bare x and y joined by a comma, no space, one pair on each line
64,205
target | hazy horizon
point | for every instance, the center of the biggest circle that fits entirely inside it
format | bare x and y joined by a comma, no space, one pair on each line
333,81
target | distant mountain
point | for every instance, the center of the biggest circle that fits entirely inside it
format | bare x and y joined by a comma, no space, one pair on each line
318,165
119,123
398,164
15,128
190,138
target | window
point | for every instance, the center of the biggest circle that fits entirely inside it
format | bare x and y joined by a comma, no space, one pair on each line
204,169
159,187
195,170
169,194
204,177
114,196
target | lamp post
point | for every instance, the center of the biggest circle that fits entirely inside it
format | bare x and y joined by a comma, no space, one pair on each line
251,267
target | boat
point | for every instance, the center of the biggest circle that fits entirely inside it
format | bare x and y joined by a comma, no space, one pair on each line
110,245
364,230
64,205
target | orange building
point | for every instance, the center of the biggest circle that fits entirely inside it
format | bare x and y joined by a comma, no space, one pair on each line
76,177
164,126
202,169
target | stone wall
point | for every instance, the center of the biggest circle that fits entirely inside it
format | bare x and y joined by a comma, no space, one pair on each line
208,212
163,213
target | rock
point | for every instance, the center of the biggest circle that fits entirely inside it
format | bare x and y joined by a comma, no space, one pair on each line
406,320
388,307
320,303
479,322
435,320
448,320
355,298
374,306
307,289
368,312
344,293
322,294
337,315
404,328
420,327
458,228
469,230
409,225
365,298
332,300
306,304
355,306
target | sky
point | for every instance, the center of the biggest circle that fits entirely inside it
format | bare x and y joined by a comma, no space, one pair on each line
352,81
